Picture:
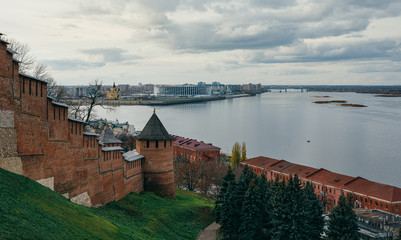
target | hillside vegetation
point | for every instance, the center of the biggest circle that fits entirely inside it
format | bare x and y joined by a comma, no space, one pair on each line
30,211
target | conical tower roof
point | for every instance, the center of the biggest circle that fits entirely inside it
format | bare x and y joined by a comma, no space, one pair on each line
154,130
107,136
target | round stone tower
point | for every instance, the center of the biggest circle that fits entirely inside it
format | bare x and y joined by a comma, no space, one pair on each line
156,144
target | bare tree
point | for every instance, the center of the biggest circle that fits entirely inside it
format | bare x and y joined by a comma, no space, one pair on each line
77,110
22,54
94,97
203,176
41,71
188,174
83,108
60,92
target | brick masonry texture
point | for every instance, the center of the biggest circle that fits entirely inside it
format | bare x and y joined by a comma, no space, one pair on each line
158,167
38,141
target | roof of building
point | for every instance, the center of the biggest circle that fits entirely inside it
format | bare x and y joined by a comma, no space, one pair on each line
263,162
16,60
91,134
374,189
154,130
326,177
11,51
193,144
3,41
107,136
115,148
60,104
34,78
329,178
76,120
300,170
132,156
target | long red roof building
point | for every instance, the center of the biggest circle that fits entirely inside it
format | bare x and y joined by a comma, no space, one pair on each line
329,185
192,149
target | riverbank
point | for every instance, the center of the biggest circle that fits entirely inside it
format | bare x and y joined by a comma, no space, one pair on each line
159,102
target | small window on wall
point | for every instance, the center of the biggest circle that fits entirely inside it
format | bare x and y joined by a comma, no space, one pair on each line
147,144
157,144
165,143
396,207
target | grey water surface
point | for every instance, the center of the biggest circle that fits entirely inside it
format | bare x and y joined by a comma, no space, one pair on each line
362,142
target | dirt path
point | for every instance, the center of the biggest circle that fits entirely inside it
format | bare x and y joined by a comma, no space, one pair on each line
209,233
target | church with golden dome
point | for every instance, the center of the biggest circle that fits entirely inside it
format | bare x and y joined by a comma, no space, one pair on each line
113,93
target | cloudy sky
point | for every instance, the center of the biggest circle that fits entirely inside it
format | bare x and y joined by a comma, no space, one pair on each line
229,41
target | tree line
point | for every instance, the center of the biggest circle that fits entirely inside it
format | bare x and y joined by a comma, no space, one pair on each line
254,208
202,176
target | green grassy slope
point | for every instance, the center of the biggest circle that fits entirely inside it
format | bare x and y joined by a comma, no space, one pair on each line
31,211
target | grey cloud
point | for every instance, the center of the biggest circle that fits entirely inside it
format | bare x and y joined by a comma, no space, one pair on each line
273,3
72,64
110,54
371,68
206,37
386,49
284,22
300,72
161,5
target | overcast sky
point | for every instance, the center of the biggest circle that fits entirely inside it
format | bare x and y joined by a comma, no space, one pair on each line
229,41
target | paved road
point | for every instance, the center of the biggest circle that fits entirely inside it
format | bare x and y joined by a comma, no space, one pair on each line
209,233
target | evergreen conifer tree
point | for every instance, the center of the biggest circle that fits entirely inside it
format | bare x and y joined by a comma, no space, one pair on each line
314,213
291,212
297,207
265,192
230,213
246,177
228,179
252,217
280,211
236,201
342,224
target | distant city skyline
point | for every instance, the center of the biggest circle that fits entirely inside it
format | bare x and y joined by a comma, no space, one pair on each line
231,42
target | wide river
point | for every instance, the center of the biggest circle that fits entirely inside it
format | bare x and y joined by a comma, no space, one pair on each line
362,142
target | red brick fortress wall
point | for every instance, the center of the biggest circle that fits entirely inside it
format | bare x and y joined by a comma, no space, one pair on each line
40,142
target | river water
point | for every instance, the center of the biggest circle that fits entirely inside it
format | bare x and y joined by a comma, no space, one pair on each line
362,142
